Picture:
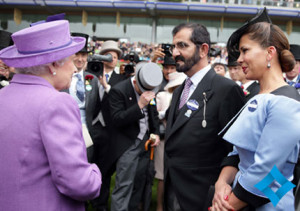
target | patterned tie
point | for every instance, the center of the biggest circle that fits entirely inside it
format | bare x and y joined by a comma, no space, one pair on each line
107,76
291,83
185,93
80,88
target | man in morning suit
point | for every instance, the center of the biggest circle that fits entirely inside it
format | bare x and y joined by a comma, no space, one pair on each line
85,90
199,109
135,117
103,122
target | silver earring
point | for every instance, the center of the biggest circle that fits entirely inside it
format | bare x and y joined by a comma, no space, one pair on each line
269,64
54,73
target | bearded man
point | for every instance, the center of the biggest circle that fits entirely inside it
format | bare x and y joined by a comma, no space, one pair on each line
200,108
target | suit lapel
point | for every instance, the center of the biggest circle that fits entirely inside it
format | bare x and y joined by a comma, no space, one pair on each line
173,108
203,87
87,92
111,83
113,78
131,97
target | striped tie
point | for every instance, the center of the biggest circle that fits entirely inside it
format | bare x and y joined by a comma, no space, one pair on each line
80,88
185,93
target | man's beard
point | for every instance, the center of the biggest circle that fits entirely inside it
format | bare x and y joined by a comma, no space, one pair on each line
188,63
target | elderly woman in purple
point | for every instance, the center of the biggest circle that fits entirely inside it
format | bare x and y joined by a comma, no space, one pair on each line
43,157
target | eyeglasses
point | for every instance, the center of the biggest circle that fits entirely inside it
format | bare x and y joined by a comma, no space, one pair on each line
180,46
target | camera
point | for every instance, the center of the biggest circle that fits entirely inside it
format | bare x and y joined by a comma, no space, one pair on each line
95,63
129,68
166,48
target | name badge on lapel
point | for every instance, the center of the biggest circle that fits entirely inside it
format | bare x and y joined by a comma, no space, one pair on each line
192,104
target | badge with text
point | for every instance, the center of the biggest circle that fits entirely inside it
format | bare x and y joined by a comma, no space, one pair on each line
192,104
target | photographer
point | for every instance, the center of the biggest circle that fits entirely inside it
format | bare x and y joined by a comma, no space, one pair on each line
130,60
107,79
169,65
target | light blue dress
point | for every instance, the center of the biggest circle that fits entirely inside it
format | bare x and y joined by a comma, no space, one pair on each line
266,133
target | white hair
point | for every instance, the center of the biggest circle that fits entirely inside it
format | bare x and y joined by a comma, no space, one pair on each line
40,69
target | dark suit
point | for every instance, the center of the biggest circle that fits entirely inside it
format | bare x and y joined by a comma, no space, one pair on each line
253,90
192,153
102,144
126,114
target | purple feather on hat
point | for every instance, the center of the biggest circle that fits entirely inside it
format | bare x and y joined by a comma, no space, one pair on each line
50,18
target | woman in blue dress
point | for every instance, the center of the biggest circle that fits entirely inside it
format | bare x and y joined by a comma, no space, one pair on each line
266,133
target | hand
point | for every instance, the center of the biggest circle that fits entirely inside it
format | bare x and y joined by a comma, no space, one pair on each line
158,53
4,70
102,80
221,196
156,142
145,98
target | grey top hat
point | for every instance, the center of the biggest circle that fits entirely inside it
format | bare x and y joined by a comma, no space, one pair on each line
110,45
295,49
148,76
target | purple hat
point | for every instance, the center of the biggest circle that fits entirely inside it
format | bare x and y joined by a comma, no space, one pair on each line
41,44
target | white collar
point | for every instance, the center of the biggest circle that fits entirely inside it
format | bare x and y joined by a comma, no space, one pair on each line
198,76
246,85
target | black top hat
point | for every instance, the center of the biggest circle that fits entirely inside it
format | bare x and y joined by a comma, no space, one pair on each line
5,39
214,52
232,61
169,61
295,49
234,39
85,48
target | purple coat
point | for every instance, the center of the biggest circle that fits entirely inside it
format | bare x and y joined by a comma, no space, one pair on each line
43,157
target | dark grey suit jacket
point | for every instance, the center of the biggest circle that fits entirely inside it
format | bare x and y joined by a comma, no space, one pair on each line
193,153
125,114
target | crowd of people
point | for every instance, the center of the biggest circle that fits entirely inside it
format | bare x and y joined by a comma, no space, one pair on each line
217,120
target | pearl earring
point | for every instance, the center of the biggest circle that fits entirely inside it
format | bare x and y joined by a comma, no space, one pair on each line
269,64
54,73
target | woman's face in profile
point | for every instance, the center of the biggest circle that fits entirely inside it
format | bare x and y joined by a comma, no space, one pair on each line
64,73
253,58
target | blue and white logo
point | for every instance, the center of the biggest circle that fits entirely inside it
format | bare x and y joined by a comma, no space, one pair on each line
252,105
192,104
263,186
